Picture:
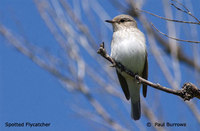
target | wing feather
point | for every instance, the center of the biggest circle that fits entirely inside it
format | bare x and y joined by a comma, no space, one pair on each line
145,76
124,85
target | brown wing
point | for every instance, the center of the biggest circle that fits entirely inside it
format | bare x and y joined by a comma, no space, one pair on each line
124,85
145,76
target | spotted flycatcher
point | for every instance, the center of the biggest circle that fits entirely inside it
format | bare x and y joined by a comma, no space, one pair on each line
128,47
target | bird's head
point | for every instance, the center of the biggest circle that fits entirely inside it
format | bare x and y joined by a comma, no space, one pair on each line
122,22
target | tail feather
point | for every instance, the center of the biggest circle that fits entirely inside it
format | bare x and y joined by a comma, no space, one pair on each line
134,89
135,109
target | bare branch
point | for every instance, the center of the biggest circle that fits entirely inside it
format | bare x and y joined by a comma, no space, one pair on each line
189,41
185,11
181,5
179,21
187,92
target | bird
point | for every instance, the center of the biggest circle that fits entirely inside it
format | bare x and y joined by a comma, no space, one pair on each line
128,47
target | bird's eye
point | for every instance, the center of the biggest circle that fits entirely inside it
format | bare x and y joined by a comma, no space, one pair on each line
122,20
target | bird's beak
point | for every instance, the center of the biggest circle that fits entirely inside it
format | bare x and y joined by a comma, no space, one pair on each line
110,21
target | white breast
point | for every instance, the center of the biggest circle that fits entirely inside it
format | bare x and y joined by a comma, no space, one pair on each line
128,47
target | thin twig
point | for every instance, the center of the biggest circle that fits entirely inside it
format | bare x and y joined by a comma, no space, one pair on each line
189,41
181,5
179,21
187,92
185,11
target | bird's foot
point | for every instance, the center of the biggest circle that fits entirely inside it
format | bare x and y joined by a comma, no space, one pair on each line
113,65
138,80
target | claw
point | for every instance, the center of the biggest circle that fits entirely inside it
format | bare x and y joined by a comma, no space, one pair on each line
139,81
